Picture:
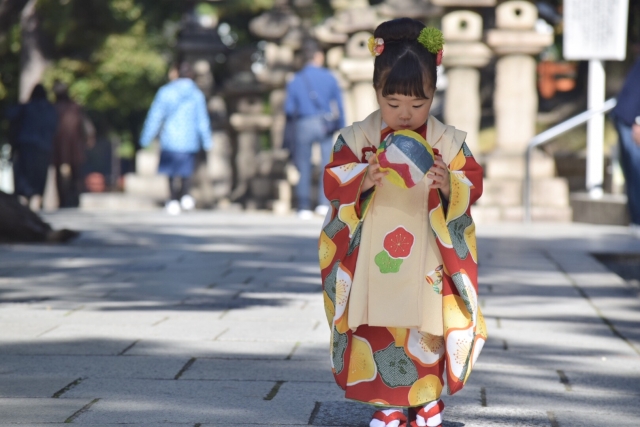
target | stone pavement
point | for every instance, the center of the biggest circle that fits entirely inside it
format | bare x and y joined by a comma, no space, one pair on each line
216,319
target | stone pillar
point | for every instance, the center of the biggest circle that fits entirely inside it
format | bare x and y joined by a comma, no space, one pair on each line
516,107
248,122
516,97
464,54
357,68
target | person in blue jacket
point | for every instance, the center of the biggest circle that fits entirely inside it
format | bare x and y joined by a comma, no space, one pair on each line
626,116
179,116
314,101
34,125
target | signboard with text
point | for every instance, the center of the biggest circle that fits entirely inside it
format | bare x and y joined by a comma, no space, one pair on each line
595,29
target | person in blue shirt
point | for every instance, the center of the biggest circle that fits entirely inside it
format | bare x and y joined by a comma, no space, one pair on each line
34,124
626,116
314,101
179,116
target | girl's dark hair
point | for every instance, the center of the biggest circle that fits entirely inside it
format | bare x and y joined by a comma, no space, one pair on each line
405,66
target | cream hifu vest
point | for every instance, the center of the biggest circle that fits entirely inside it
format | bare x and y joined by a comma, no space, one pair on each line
403,299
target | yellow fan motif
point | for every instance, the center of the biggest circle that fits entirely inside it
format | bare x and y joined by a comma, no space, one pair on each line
426,389
342,324
348,215
481,326
460,195
399,335
362,367
470,240
326,250
436,217
455,313
329,308
458,162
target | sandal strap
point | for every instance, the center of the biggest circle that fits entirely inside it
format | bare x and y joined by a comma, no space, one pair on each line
394,416
434,410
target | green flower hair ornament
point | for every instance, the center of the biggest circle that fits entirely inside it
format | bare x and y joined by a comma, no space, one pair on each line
432,39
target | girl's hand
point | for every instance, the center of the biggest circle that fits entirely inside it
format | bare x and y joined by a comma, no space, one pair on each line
439,173
374,175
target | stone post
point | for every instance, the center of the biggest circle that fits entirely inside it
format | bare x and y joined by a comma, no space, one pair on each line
516,108
357,68
516,97
248,122
464,54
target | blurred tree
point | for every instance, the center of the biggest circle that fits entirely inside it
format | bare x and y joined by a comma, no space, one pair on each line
113,54
9,13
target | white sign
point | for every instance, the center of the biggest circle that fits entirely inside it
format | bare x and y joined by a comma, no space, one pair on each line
595,29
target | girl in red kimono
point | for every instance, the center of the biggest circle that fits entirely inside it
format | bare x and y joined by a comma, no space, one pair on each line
398,250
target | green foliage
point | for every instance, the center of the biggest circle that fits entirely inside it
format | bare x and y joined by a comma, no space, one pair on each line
123,74
113,54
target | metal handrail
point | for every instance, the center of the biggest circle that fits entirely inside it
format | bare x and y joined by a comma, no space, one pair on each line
550,134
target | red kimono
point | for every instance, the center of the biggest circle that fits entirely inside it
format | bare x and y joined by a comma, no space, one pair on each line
388,365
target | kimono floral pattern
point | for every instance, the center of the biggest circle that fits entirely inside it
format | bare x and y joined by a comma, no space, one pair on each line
397,246
399,366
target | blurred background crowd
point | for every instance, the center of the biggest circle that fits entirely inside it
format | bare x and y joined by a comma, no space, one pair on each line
78,79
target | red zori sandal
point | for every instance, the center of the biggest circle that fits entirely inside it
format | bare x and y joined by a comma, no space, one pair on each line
429,415
388,418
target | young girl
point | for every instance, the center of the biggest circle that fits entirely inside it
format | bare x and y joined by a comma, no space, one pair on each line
398,256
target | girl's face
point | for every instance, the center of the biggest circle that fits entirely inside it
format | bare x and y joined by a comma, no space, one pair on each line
405,112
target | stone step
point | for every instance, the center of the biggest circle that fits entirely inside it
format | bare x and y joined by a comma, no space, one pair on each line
115,202
513,166
509,192
495,214
155,187
611,209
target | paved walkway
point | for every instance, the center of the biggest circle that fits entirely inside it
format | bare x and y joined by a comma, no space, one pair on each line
216,319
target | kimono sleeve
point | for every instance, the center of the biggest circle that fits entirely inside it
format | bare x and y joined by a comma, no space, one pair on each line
343,178
339,242
466,183
465,329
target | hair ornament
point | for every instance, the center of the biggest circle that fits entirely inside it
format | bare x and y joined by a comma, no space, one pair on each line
433,40
376,46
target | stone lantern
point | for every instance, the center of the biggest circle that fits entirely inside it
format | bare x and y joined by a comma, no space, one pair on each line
516,97
516,106
464,53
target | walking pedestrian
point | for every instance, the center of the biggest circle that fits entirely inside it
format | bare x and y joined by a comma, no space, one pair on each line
626,117
75,133
398,253
179,116
314,103
34,124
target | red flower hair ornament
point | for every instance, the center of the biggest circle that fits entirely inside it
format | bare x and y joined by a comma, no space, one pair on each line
376,46
431,38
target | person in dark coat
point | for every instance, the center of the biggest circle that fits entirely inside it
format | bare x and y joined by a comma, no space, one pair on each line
19,224
34,125
626,117
74,134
